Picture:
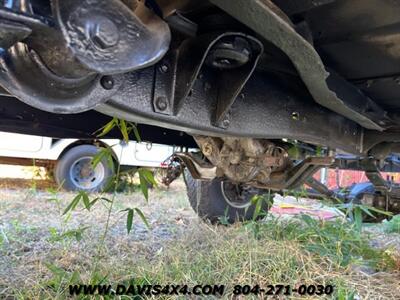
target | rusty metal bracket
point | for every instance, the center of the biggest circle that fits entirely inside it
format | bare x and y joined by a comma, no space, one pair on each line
320,187
286,180
374,176
198,169
299,174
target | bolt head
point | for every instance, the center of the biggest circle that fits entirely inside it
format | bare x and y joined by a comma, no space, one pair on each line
225,123
161,103
104,33
107,82
164,68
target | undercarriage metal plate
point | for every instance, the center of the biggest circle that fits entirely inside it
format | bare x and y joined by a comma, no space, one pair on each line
108,38
267,20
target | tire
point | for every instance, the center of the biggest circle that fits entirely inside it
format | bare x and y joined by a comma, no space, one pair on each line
73,173
209,200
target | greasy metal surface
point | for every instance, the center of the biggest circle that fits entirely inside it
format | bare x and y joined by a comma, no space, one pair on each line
164,100
384,90
173,170
64,61
232,81
363,45
298,6
27,76
266,111
288,178
29,20
359,101
177,72
45,90
349,162
374,176
55,81
46,40
296,176
108,38
198,169
373,139
244,160
259,15
319,187
12,32
18,117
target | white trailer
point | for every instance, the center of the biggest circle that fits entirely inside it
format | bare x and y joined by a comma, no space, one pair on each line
71,158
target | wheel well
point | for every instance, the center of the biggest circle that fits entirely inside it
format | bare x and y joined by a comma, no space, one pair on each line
97,143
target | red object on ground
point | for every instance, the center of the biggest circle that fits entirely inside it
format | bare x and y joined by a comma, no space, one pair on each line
347,178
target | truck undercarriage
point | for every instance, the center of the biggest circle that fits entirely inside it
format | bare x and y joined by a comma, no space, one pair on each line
250,80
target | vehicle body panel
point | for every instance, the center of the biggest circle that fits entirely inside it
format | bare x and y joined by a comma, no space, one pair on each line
45,148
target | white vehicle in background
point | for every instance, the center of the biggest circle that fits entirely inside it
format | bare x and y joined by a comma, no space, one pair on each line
70,159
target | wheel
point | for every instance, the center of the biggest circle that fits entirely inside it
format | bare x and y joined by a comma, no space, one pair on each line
74,170
218,200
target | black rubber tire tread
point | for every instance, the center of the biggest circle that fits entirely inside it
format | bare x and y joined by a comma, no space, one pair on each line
207,201
61,171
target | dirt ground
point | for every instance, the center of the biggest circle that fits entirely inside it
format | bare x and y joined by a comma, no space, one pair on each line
28,215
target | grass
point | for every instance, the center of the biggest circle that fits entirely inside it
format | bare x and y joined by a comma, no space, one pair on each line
180,249
273,252
393,226
337,241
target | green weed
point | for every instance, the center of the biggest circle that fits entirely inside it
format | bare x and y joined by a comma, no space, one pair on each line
393,226
338,241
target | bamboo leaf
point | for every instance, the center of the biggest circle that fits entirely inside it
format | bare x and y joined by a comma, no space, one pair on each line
96,159
110,160
107,128
91,204
85,199
367,211
379,211
148,175
257,209
141,215
109,186
73,204
106,199
129,220
144,186
124,130
103,153
136,133
358,218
